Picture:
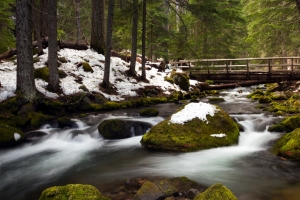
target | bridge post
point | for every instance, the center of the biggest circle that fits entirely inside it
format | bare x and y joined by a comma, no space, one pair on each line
227,70
292,67
269,68
248,73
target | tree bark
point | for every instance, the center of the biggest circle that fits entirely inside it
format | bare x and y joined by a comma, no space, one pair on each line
110,15
134,37
144,40
298,5
52,47
25,77
37,27
43,17
98,34
77,17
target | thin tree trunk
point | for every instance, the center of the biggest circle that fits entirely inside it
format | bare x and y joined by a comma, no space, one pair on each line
52,48
37,27
298,4
25,77
134,36
98,28
110,15
43,17
77,17
144,41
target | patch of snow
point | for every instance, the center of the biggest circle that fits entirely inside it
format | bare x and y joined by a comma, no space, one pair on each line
17,136
218,135
193,110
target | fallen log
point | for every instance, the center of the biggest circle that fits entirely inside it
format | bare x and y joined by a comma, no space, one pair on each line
205,86
61,45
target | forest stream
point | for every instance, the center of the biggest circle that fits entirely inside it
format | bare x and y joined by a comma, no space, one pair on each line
80,155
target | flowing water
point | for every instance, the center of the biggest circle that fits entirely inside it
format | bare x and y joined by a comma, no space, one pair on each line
80,155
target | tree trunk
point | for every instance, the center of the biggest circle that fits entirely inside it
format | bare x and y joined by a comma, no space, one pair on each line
25,77
52,46
37,27
134,36
98,35
144,41
110,15
77,17
298,5
43,17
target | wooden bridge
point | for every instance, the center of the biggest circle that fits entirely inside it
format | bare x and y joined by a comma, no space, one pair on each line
271,69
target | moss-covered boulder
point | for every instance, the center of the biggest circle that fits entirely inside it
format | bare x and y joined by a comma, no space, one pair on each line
278,96
288,146
182,80
149,112
72,191
64,121
120,129
216,192
43,73
264,99
256,94
148,191
86,67
10,136
196,126
286,125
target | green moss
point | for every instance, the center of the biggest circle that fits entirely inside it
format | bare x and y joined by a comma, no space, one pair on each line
64,121
72,191
86,67
37,119
278,96
62,59
7,135
193,135
62,74
264,99
284,108
166,186
148,191
169,79
82,87
42,73
114,129
110,105
278,128
256,92
149,112
216,192
12,104
36,59
209,82
220,99
182,80
288,146
257,96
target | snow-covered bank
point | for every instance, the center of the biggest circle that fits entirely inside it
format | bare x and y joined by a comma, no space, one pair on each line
125,86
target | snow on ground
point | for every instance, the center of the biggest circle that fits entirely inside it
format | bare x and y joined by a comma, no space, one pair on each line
193,110
124,85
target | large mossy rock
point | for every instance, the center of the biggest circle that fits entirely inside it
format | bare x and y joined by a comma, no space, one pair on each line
120,129
182,80
72,191
286,125
216,192
288,146
149,112
10,136
214,129
165,187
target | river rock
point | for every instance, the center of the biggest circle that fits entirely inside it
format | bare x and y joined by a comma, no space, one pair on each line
216,192
10,136
148,191
120,129
196,126
72,191
288,146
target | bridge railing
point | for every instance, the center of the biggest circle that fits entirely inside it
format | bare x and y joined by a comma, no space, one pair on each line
246,66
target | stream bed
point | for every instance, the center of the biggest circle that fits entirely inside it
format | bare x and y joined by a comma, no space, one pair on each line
80,155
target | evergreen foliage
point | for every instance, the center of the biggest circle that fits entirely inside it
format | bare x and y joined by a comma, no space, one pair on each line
6,25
